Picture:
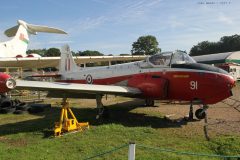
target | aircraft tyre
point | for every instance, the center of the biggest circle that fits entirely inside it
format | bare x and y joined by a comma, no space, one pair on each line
3,97
149,102
7,110
18,112
6,103
22,106
200,114
103,113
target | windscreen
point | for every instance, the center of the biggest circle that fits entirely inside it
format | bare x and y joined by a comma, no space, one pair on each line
168,58
162,59
180,57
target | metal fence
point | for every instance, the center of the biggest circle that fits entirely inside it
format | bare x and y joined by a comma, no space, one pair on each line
28,96
132,150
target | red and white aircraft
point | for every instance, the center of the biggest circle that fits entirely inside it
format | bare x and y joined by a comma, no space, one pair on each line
163,76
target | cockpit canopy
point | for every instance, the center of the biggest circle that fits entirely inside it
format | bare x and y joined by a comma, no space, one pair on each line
169,58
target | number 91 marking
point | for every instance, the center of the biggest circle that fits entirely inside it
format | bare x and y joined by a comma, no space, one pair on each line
193,85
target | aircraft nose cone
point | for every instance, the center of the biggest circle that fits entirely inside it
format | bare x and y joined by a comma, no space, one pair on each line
6,83
10,83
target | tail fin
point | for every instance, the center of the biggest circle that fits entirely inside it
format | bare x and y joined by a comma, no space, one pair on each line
20,33
67,63
18,45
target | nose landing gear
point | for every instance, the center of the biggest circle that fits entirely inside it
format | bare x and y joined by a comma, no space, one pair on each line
190,115
199,113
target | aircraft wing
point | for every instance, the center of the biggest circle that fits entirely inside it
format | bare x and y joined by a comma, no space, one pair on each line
76,88
42,62
30,62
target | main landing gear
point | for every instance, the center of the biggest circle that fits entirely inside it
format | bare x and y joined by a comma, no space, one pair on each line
103,112
199,113
67,124
149,102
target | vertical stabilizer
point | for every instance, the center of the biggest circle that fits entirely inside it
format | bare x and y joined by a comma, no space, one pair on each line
20,42
67,63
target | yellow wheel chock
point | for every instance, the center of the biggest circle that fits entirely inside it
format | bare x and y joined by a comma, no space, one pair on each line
67,124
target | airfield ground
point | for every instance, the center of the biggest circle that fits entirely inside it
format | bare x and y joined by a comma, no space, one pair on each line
29,136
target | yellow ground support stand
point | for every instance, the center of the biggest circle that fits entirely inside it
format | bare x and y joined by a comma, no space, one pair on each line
67,124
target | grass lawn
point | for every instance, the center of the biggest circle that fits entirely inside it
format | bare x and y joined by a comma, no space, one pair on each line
29,136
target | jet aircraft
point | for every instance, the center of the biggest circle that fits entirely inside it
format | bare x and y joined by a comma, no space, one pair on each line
163,76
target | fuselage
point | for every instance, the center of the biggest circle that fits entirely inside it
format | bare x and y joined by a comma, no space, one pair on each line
10,49
177,81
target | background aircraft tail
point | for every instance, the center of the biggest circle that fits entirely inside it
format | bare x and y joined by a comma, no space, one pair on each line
20,33
17,47
67,63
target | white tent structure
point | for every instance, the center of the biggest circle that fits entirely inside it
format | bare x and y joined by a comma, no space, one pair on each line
218,58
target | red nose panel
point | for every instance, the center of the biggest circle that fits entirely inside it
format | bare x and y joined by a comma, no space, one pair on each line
3,80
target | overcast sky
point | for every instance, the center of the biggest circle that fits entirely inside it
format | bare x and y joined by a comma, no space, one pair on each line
111,26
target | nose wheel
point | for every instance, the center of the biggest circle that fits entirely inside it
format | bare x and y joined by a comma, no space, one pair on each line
201,112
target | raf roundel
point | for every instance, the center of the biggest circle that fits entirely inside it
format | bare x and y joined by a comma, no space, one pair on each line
89,79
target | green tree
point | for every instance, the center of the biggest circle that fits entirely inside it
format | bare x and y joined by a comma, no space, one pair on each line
204,48
147,45
226,44
230,43
74,53
89,53
41,52
124,54
52,52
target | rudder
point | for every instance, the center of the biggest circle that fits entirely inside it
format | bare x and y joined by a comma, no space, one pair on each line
67,63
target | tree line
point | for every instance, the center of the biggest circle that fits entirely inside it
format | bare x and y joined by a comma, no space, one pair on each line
148,45
55,52
225,44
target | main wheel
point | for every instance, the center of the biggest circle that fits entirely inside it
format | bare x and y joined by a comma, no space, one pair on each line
149,102
103,113
200,114
7,110
6,103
